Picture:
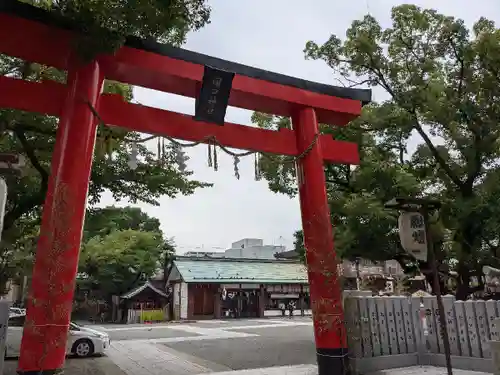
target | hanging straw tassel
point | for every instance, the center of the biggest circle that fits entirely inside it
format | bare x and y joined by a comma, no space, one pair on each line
210,163
216,162
158,145
257,172
108,141
236,167
281,174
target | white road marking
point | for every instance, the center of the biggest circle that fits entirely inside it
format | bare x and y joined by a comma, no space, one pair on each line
266,323
287,321
222,335
260,320
278,370
269,326
213,321
142,328
200,330
214,333
213,336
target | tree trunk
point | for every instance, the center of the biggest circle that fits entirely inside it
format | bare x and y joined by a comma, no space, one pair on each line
462,292
463,280
429,278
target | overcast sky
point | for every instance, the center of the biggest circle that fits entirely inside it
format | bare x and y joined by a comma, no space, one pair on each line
268,34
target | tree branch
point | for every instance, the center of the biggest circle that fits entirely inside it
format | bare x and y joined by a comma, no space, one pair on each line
474,172
376,70
35,200
401,149
442,163
30,152
342,185
24,207
30,128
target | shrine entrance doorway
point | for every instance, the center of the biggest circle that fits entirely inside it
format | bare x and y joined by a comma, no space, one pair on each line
80,106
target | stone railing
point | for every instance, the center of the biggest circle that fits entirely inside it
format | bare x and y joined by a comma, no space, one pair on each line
390,332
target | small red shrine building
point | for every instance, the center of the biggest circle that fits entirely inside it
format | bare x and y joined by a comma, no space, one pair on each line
213,288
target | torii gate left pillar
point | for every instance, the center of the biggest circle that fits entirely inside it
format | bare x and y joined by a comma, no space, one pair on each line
181,72
50,301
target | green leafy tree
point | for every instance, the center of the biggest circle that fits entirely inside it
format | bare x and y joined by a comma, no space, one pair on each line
16,252
442,85
298,245
356,195
119,261
106,24
103,221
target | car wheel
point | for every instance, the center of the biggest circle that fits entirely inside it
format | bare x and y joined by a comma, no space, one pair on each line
83,348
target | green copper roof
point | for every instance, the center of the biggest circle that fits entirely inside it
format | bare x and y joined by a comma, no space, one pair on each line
241,271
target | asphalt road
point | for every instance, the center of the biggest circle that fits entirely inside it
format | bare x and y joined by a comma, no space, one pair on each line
277,346
199,348
222,345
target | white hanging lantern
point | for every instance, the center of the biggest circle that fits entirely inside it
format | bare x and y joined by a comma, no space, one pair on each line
412,234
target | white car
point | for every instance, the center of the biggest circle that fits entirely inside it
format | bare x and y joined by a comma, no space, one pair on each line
82,341
16,311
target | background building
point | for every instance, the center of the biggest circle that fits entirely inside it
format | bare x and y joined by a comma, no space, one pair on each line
247,248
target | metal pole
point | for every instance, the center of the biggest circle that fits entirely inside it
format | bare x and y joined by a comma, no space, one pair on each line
358,277
3,202
437,289
4,322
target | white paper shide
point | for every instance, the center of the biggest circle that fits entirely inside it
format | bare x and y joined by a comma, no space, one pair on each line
412,234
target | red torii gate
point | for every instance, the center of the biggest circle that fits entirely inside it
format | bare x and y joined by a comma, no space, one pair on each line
34,35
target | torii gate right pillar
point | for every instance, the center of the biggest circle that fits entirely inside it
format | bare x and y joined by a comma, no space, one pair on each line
325,290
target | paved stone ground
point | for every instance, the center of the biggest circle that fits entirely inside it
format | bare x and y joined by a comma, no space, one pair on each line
311,370
244,347
144,358
424,370
278,370
91,366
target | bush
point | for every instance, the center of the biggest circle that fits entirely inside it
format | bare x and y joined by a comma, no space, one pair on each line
152,316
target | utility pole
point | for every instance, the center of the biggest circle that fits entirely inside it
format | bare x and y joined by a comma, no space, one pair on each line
358,274
4,306
424,207
3,202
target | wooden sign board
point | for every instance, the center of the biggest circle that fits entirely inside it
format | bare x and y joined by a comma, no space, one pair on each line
212,101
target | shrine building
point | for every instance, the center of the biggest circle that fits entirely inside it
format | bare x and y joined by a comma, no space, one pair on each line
214,288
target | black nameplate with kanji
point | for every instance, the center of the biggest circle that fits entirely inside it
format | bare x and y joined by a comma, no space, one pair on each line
212,101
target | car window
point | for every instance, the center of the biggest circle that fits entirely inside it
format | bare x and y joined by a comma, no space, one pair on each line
17,321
